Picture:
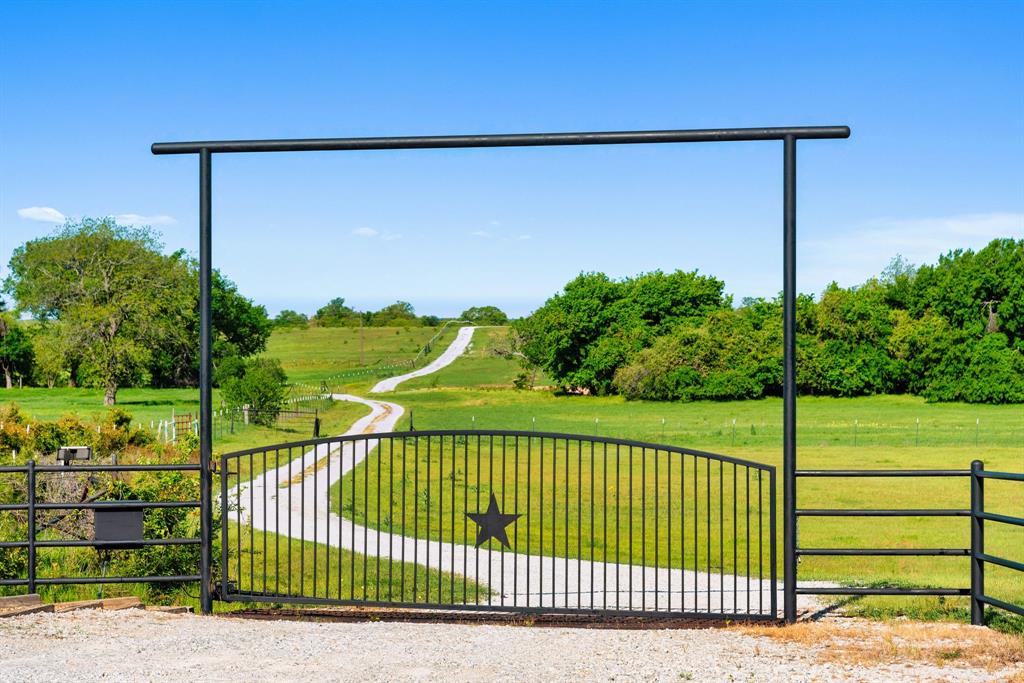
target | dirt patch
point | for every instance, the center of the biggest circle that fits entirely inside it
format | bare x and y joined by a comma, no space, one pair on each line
870,643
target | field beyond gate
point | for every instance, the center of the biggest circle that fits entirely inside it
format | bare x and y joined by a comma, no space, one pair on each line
521,521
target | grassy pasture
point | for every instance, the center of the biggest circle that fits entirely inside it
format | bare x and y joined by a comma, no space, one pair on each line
315,353
478,366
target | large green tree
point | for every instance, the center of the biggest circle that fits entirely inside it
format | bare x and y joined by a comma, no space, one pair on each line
109,288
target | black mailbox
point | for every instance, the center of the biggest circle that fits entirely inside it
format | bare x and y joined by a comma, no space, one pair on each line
118,528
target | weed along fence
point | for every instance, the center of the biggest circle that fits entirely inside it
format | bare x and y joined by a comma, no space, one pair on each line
54,520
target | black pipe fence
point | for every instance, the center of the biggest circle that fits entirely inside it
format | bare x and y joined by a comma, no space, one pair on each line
976,553
33,508
500,520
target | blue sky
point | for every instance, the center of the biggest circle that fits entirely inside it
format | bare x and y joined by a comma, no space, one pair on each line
934,94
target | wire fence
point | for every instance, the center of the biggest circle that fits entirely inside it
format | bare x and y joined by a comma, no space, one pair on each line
302,416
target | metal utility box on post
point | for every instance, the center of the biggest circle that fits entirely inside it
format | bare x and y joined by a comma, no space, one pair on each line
68,453
118,528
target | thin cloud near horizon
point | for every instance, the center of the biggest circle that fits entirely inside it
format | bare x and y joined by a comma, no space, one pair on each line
48,214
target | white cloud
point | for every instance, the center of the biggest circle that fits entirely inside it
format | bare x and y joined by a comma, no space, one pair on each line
526,237
390,237
45,214
480,233
136,219
853,257
364,232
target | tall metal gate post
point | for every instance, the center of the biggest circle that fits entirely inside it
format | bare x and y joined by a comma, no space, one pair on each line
789,377
205,385
977,544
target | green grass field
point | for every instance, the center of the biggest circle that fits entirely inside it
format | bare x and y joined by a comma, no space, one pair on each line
316,353
479,366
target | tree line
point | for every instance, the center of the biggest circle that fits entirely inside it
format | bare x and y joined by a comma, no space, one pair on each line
952,331
336,313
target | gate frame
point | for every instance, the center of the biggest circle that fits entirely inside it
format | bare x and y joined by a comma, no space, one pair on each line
788,136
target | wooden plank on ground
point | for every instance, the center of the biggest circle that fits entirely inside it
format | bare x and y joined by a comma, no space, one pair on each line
122,603
77,605
30,609
13,601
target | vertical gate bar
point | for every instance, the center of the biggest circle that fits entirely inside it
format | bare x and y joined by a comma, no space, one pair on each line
773,541
604,486
264,521
682,532
630,558
402,568
465,526
316,489
707,513
760,545
515,531
476,550
540,553
502,550
565,563
205,379
593,476
643,528
277,522
735,541
657,523
416,515
224,542
491,489
668,460
426,513
789,521
529,511
341,518
696,540
452,579
618,526
238,506
352,525
721,536
554,522
579,523
289,573
391,518
977,543
252,529
746,477
31,484
366,510
380,451
327,530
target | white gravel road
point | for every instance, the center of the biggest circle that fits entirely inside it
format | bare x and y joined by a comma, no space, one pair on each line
134,645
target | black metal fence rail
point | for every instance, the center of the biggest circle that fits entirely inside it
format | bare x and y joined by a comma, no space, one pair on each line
976,513
32,506
421,519
979,558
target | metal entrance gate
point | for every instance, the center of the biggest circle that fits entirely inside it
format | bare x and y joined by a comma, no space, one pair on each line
500,520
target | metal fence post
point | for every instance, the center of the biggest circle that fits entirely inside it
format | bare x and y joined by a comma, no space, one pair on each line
977,543
31,526
205,384
789,520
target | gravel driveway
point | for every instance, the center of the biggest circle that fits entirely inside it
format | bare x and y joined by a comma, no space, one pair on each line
135,645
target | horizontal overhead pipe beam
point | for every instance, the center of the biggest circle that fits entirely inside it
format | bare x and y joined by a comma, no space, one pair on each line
504,140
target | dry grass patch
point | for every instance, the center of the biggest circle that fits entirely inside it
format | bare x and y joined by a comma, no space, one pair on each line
873,643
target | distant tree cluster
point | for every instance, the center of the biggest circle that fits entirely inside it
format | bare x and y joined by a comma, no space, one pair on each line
336,313
953,331
111,310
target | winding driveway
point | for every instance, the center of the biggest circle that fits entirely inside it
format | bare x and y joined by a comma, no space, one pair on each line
301,487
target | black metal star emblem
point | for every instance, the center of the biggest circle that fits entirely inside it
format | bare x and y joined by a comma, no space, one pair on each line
492,524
